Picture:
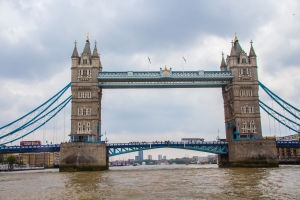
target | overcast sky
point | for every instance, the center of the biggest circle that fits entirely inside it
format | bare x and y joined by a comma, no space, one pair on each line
37,40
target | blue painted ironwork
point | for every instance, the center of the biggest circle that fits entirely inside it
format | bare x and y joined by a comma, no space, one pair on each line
286,144
164,79
54,98
122,148
58,108
286,106
166,84
28,149
279,117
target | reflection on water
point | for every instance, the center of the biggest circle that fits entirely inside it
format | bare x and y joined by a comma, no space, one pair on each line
154,182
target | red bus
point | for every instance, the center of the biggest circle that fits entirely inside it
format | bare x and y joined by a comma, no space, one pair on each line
30,143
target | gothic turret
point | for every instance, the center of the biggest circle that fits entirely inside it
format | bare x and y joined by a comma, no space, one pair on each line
223,66
75,57
95,58
232,52
252,56
252,52
75,52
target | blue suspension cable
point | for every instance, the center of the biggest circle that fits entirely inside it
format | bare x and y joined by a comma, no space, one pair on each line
34,118
266,108
277,99
61,91
66,102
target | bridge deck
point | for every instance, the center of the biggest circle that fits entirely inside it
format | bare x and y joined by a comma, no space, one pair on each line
164,79
121,148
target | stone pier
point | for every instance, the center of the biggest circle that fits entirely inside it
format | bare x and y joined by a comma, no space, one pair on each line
83,156
251,153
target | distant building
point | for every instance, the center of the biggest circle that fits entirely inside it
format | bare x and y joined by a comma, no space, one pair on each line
165,158
141,155
47,159
210,158
202,159
159,157
149,157
137,158
130,161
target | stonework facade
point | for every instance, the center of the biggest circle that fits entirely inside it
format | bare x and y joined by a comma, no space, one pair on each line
246,148
241,102
86,95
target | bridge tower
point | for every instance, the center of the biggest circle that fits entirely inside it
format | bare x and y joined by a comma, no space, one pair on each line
86,95
85,151
242,113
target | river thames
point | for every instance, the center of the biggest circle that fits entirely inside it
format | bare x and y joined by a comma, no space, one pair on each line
154,182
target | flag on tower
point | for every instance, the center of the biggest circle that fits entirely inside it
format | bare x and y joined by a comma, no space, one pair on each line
149,60
184,59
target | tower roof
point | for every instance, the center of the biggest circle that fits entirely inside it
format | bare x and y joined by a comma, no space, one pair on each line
75,52
252,52
236,49
223,63
87,48
232,52
95,52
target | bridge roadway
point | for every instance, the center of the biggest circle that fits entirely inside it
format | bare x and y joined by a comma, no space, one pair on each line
165,78
122,148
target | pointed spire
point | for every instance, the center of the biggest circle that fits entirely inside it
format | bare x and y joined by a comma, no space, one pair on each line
252,52
235,38
95,52
75,52
87,48
223,63
232,53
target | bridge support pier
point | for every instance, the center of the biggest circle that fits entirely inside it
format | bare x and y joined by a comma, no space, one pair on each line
250,153
82,156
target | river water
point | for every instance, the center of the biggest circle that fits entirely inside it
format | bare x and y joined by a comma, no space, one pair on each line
154,182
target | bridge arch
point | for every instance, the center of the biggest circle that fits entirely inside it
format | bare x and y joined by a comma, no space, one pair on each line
114,149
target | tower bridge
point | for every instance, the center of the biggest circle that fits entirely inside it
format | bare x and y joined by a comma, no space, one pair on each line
237,78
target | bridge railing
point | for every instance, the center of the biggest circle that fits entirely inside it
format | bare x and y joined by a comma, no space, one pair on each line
29,147
157,74
167,142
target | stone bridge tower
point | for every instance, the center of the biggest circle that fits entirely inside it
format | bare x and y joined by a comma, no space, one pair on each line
85,151
242,113
241,102
86,95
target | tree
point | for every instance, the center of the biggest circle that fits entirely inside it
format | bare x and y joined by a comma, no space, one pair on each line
11,161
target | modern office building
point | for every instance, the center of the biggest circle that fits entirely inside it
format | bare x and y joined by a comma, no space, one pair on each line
159,157
141,155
